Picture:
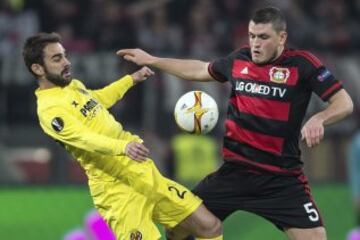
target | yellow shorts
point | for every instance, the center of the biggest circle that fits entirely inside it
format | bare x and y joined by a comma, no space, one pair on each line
133,202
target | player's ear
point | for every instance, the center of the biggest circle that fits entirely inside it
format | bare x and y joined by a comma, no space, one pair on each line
283,37
37,69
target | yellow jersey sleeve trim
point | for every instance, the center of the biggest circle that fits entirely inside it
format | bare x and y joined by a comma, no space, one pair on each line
112,93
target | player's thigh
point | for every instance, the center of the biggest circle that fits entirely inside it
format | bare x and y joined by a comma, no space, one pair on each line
175,203
201,223
317,233
128,213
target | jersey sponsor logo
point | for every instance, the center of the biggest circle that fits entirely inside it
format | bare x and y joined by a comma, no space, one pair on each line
260,89
324,74
57,124
88,107
136,235
279,75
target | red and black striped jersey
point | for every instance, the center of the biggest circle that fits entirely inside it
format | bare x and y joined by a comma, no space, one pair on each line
267,106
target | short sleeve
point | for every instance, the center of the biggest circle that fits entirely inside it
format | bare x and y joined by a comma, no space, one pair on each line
324,84
219,69
321,80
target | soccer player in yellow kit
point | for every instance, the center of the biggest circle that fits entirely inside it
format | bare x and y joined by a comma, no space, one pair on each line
126,187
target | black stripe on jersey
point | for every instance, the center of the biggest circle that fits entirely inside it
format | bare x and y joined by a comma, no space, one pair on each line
273,86
331,91
292,55
257,124
259,156
216,76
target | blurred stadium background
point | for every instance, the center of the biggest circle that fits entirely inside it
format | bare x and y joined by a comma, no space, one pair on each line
43,193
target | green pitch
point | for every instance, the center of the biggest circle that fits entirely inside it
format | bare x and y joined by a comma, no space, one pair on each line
47,213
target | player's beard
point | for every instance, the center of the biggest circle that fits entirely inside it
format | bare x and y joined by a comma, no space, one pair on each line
57,79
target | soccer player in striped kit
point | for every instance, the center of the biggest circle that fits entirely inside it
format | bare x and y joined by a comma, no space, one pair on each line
127,188
271,88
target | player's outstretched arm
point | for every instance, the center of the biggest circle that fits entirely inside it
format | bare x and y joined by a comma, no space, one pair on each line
115,91
340,106
193,70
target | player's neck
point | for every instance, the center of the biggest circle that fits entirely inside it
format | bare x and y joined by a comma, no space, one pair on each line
278,53
46,84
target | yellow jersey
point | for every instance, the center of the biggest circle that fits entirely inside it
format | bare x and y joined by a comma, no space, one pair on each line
79,119
129,195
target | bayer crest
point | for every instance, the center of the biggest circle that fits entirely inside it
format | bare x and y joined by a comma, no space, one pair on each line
279,75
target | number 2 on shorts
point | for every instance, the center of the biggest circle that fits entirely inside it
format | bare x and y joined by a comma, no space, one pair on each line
178,193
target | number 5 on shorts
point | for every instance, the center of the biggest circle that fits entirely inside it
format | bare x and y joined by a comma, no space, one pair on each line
313,214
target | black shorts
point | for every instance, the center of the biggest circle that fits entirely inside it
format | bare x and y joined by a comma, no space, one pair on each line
284,200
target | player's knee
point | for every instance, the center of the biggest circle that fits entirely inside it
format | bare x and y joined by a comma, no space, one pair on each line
217,227
319,234
175,234
210,228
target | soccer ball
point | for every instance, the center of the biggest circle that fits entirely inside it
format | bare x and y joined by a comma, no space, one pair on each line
196,112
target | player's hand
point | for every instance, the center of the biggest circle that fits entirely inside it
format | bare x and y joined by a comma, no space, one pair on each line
136,151
142,74
137,56
313,131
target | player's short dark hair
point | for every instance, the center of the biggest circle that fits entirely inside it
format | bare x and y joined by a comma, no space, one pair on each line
33,50
270,15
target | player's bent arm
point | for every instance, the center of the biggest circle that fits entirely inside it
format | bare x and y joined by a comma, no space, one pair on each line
112,93
340,105
61,126
193,70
